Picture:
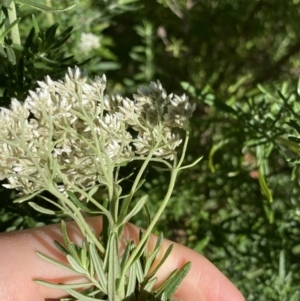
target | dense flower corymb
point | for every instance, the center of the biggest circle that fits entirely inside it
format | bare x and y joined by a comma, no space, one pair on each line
71,130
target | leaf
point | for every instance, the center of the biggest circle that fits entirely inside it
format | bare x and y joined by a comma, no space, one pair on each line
213,150
78,203
93,191
294,139
2,51
54,261
153,255
75,265
171,284
9,28
161,261
70,245
98,265
42,209
136,209
139,271
61,247
45,8
83,256
266,92
113,267
294,125
27,197
64,286
224,107
264,187
11,55
80,296
282,273
132,280
35,25
126,254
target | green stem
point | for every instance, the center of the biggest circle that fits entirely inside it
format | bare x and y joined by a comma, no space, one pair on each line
12,16
174,174
133,188
49,14
153,222
91,199
85,229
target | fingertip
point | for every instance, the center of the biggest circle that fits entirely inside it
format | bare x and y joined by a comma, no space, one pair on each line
204,282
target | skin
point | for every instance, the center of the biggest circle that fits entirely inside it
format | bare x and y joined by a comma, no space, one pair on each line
20,265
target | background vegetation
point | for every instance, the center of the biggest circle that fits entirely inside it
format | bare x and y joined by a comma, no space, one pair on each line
240,62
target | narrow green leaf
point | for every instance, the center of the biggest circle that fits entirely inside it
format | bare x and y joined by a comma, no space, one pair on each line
139,271
64,233
136,209
35,25
64,286
212,152
45,8
264,187
113,267
171,284
132,280
56,262
282,273
62,38
153,255
266,92
224,107
126,255
93,191
294,139
78,203
11,55
161,261
2,51
80,296
9,28
83,256
41,209
27,197
98,265
69,245
75,265
294,124
17,47
61,248
149,285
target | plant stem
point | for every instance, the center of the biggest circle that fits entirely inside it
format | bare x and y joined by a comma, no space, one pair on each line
174,174
154,220
133,188
82,223
12,16
49,14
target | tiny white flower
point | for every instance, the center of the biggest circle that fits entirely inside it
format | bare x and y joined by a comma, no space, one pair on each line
89,42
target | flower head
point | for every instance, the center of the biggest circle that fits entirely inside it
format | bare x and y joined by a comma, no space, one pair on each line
69,131
88,42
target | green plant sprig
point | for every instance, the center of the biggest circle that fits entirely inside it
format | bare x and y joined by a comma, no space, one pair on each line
74,148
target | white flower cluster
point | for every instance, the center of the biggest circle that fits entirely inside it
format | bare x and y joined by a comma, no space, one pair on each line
88,42
71,126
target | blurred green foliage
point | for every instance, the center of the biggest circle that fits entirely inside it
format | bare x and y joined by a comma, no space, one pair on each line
240,62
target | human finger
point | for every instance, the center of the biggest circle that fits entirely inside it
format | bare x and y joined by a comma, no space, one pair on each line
20,265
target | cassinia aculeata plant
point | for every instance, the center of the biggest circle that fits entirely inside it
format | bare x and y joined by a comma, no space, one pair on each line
70,139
